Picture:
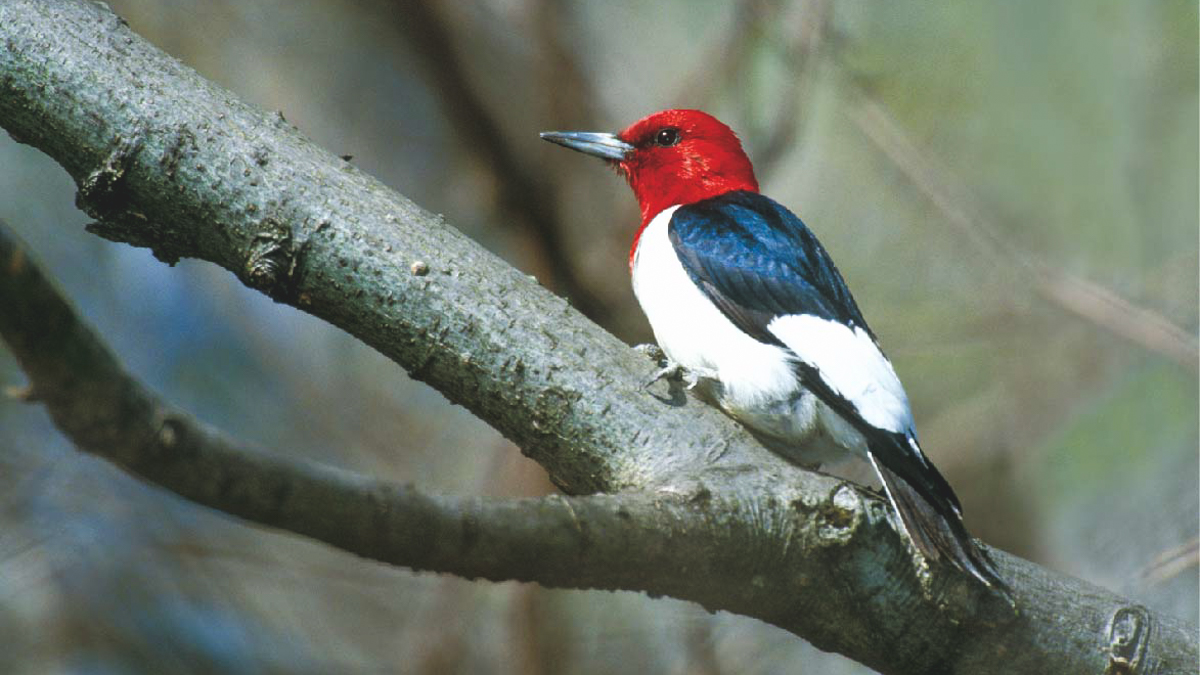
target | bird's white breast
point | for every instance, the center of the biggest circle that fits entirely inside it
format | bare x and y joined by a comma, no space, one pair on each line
693,332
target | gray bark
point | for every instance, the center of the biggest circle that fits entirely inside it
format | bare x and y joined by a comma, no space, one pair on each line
694,508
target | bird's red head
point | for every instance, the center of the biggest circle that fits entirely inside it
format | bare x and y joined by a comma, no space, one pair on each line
670,157
682,156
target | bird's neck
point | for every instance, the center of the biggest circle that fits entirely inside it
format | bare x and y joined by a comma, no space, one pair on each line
706,171
654,198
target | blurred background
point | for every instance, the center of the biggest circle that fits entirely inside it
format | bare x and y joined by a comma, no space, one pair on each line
1010,189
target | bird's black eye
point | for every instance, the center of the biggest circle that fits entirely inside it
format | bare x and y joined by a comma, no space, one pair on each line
666,137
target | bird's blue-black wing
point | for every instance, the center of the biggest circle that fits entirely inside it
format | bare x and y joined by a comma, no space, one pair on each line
756,261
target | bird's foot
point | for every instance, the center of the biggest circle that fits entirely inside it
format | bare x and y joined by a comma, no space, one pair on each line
667,368
671,371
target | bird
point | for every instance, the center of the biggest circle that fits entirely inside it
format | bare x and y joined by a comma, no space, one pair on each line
749,308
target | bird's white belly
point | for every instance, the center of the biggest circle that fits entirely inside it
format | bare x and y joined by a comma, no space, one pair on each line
752,381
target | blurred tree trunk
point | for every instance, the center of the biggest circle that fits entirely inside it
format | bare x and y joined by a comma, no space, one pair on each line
694,508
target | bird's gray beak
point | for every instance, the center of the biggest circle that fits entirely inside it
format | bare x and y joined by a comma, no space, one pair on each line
597,144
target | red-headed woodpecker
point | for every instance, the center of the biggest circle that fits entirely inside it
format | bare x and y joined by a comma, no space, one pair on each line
746,302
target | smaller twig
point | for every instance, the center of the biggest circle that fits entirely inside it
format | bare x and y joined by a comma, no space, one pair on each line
704,83
883,130
574,94
1139,325
1173,562
22,393
803,32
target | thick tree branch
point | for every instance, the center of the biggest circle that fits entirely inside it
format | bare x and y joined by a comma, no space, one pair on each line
166,160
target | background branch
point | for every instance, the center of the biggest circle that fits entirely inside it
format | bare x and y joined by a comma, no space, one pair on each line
521,194
1085,299
221,181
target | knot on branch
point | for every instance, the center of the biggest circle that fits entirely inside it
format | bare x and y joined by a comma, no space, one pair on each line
1128,635
104,195
171,436
839,515
553,406
272,259
102,192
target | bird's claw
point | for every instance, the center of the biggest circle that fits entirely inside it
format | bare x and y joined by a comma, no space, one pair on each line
670,371
667,367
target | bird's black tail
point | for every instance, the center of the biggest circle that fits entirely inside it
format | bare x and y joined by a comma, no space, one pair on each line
938,533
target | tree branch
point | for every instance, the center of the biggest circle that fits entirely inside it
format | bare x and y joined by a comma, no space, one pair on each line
166,160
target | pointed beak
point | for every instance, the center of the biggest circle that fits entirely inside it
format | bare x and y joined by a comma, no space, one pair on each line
597,144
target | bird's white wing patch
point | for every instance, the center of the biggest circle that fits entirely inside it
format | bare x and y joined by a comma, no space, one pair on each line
850,363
